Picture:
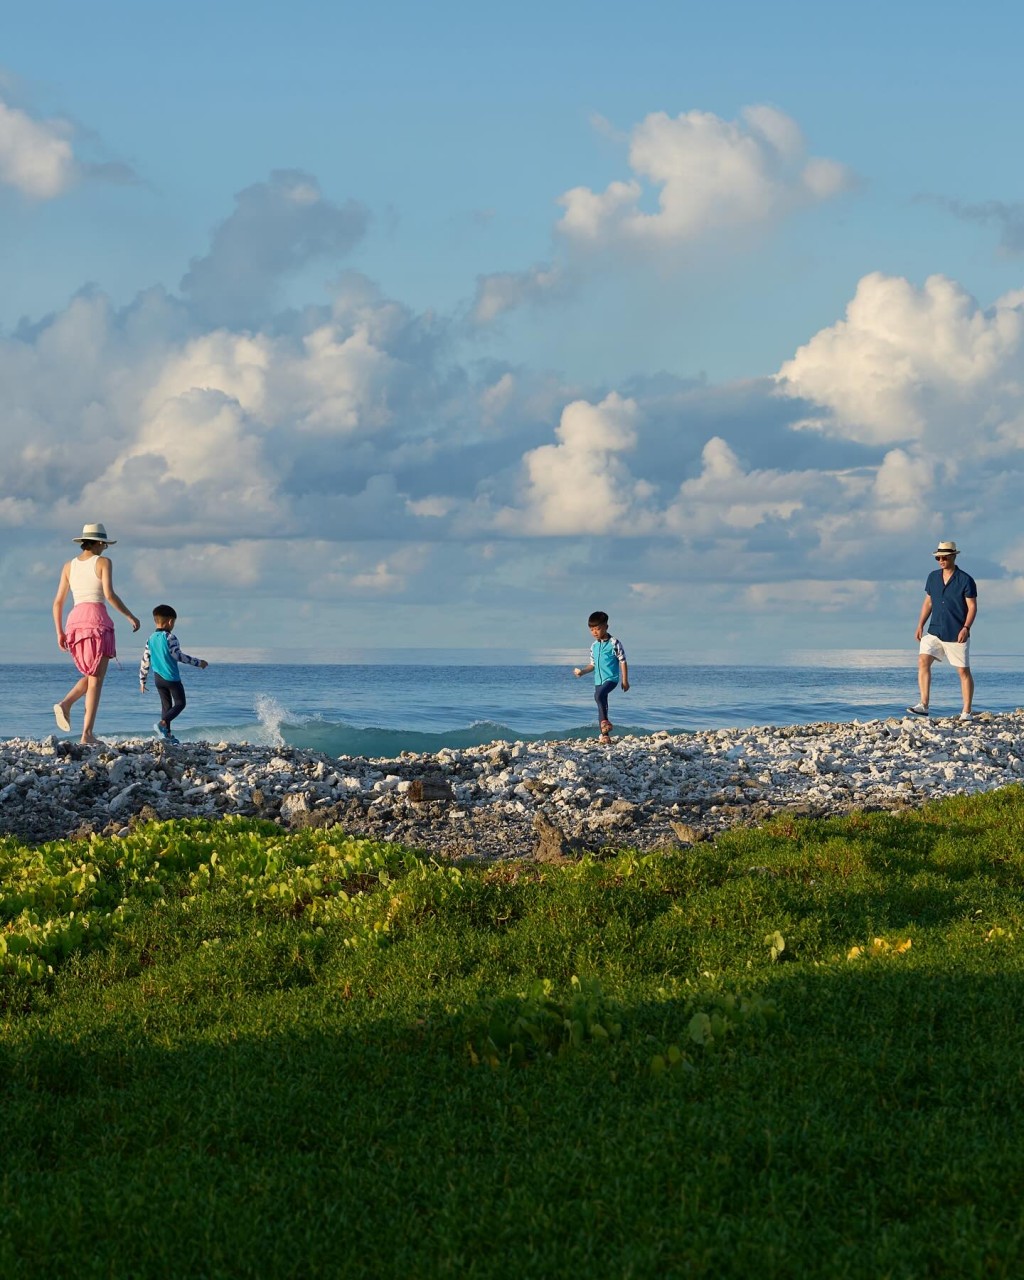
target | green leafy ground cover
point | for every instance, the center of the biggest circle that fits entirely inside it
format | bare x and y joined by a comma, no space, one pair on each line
228,1051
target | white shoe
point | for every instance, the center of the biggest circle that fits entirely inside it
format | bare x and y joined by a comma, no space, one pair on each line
966,715
918,709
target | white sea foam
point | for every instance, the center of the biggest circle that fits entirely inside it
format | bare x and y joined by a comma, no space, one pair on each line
271,715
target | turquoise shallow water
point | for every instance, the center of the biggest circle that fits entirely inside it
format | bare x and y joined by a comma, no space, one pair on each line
385,709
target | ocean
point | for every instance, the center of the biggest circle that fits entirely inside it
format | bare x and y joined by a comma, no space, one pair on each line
378,709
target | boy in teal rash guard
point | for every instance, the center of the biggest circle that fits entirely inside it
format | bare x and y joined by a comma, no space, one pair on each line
163,654
607,661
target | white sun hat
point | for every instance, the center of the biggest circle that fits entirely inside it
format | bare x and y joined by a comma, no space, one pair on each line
94,533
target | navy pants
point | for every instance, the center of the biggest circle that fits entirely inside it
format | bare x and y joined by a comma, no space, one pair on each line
601,692
172,698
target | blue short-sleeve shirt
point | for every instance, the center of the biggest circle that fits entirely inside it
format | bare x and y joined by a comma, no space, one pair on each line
949,602
606,655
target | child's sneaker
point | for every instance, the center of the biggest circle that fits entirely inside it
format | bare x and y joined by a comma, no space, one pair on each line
918,709
966,715
171,740
162,730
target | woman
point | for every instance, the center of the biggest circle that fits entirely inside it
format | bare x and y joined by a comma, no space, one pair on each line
89,636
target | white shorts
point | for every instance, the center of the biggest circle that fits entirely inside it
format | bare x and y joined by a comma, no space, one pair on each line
957,655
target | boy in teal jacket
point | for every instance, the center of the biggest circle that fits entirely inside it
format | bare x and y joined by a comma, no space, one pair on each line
163,653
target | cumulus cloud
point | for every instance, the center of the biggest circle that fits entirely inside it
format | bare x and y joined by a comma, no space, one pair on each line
354,422
709,175
15,511
936,382
277,227
580,485
505,290
36,156
352,451
42,158
902,489
725,497
916,364
197,466
160,421
345,381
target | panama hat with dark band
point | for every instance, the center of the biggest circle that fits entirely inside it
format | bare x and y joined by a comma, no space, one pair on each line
94,533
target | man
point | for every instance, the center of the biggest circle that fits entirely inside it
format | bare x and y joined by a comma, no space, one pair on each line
951,601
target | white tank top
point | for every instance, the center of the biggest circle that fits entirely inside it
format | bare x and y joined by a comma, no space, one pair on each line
85,585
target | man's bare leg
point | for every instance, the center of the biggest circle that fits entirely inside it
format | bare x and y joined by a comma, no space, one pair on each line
967,687
924,677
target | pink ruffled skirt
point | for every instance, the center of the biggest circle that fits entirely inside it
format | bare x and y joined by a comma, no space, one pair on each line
90,633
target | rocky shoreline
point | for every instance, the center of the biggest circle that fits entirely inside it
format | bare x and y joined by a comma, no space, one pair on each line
511,799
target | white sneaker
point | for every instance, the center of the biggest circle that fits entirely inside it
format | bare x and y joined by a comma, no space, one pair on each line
966,715
918,709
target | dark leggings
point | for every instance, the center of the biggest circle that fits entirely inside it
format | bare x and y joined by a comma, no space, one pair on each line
601,692
172,698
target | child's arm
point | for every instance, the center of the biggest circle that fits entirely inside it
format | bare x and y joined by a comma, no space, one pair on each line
620,653
175,651
582,671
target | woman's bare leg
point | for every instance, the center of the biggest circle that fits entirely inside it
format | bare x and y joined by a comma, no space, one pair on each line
94,687
74,693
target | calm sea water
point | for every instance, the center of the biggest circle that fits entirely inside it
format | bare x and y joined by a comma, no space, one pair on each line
380,710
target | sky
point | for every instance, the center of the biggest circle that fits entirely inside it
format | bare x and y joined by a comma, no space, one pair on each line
421,327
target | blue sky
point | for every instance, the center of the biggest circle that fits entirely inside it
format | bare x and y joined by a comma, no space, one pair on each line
381,325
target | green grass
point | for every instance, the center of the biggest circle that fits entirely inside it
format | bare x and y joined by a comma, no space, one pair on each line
227,1051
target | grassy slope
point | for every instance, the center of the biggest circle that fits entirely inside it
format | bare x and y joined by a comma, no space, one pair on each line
275,1061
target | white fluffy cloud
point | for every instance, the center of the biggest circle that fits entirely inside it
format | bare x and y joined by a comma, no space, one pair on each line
902,491
41,159
580,485
917,364
353,451
725,498
709,175
353,425
333,380
36,156
198,467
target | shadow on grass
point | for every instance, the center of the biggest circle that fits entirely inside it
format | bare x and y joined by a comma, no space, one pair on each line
874,1128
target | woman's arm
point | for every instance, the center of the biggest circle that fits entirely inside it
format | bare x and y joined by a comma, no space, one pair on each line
63,587
107,582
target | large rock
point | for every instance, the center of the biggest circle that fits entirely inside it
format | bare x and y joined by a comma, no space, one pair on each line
553,845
